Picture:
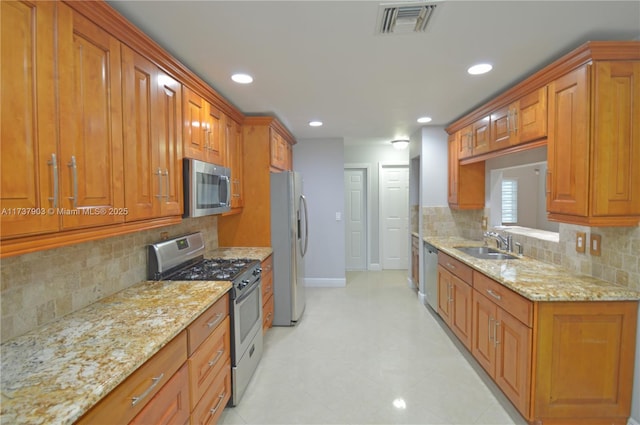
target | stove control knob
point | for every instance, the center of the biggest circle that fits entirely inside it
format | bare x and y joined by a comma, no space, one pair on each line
243,284
257,271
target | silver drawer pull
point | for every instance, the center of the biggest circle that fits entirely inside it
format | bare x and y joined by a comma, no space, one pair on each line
451,266
214,361
496,341
494,295
220,397
215,321
156,380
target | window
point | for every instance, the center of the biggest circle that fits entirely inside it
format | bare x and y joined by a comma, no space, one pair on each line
509,201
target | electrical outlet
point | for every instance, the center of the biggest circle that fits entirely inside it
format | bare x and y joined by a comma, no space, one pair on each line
484,223
581,241
595,246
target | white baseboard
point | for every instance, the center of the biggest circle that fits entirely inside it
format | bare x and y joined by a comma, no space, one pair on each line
410,283
632,422
375,267
422,297
325,283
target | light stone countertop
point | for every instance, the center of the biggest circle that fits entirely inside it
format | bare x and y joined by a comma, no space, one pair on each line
258,253
536,280
56,373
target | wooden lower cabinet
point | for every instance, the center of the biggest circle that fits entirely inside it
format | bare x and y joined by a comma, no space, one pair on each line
170,406
212,404
128,399
454,304
415,261
559,363
267,293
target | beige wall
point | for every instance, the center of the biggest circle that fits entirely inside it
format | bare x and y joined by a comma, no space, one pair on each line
43,286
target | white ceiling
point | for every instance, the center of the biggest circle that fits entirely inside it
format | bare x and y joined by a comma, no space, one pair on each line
322,59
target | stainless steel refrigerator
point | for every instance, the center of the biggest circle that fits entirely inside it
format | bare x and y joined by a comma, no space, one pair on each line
289,240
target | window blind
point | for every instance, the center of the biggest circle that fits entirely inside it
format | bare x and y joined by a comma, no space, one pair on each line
509,201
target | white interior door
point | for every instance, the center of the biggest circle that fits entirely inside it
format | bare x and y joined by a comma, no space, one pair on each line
355,212
394,216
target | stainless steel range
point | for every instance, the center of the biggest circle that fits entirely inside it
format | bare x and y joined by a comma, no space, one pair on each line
182,258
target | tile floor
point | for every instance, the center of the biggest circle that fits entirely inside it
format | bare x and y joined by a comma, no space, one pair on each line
368,353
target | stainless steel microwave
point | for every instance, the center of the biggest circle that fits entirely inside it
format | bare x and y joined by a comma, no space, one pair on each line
207,188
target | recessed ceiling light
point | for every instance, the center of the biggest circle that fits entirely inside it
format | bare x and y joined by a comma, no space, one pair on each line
480,68
242,78
423,120
315,123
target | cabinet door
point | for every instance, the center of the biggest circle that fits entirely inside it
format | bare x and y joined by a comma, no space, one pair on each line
483,341
194,123
141,174
530,117
513,341
481,134
615,188
461,311
234,159
452,194
90,122
28,152
568,144
215,136
465,144
501,128
444,294
169,144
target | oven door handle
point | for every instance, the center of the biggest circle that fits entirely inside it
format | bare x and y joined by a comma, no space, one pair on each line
244,296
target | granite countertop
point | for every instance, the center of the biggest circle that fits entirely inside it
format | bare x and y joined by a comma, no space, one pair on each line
56,373
536,280
258,253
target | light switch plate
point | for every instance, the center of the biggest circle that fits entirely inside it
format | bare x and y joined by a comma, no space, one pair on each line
595,245
581,241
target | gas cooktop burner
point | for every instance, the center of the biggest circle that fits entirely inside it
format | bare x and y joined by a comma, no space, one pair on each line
215,269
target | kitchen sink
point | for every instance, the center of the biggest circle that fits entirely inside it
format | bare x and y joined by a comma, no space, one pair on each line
485,253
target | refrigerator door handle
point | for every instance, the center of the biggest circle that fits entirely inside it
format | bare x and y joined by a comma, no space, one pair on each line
303,206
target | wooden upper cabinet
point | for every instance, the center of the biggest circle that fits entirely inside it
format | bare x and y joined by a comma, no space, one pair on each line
615,176
91,157
280,152
465,143
568,143
204,133
466,182
481,135
452,187
152,103
594,145
522,121
29,154
235,153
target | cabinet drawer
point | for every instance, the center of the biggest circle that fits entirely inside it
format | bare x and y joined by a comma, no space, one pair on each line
204,325
118,406
456,267
214,400
208,360
170,406
267,314
516,305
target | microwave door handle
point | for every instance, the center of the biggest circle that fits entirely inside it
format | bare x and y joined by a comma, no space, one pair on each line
303,206
227,191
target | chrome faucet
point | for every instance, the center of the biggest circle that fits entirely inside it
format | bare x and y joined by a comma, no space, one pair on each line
505,243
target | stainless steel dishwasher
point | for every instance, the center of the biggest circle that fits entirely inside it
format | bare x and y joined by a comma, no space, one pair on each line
431,275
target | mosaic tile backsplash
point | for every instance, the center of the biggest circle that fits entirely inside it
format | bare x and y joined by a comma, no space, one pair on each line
619,261
43,286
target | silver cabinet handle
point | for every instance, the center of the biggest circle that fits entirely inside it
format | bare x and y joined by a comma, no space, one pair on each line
515,121
220,398
451,266
491,326
159,174
215,321
496,341
156,380
494,295
166,174
74,170
509,121
54,162
215,360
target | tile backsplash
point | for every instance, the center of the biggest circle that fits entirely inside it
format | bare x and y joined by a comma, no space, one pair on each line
39,287
619,261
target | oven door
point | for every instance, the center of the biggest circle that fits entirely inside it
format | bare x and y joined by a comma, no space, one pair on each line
247,320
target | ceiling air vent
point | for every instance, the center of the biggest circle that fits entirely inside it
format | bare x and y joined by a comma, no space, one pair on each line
402,18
